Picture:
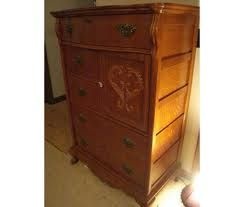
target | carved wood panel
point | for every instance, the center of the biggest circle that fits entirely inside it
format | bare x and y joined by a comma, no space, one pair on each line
125,78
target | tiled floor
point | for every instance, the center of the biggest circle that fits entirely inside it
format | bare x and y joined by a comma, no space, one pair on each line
75,185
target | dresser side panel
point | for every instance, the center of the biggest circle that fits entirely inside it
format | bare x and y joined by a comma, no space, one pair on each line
176,48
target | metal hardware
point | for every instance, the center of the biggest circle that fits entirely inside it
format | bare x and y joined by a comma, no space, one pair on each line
83,142
82,118
78,60
82,92
126,30
100,84
68,26
128,143
128,170
69,29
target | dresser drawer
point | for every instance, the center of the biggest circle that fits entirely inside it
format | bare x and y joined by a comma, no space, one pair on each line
81,62
109,30
123,150
84,93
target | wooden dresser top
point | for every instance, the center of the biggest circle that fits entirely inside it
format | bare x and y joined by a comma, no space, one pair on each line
125,9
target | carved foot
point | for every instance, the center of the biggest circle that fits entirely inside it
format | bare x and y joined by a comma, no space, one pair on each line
151,203
74,160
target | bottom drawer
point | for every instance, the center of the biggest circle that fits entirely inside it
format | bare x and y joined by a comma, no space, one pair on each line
120,148
161,166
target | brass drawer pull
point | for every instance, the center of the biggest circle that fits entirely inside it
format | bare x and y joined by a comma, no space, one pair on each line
83,142
128,170
100,84
126,30
82,92
82,118
78,60
128,143
69,29
68,26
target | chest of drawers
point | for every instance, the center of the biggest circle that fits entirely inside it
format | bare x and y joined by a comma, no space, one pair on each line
128,72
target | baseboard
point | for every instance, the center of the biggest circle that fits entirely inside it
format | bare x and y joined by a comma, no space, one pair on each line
56,99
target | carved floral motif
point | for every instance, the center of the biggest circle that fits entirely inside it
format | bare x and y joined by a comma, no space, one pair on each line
127,83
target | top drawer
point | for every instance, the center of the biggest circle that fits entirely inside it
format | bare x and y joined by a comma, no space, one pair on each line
114,30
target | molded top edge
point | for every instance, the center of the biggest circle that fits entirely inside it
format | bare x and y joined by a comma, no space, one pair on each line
123,9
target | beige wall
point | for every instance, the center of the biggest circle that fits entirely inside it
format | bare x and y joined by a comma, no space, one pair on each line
192,122
192,126
53,54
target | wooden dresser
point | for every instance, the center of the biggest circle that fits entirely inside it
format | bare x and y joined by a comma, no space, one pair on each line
128,72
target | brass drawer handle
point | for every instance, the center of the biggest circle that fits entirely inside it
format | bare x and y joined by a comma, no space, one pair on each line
68,26
78,60
128,170
83,142
126,30
82,118
69,29
128,143
82,92
100,84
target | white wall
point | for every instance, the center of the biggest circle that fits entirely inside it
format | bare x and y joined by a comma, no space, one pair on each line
51,41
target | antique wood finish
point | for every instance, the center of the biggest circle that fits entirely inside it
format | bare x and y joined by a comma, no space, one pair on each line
123,30
165,138
125,78
84,92
128,72
82,62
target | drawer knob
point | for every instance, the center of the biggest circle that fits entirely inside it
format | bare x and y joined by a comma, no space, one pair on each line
83,142
69,29
68,26
128,170
100,84
82,92
128,143
82,118
78,60
126,30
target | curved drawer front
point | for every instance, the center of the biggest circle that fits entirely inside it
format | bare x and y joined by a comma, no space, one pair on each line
123,150
114,30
